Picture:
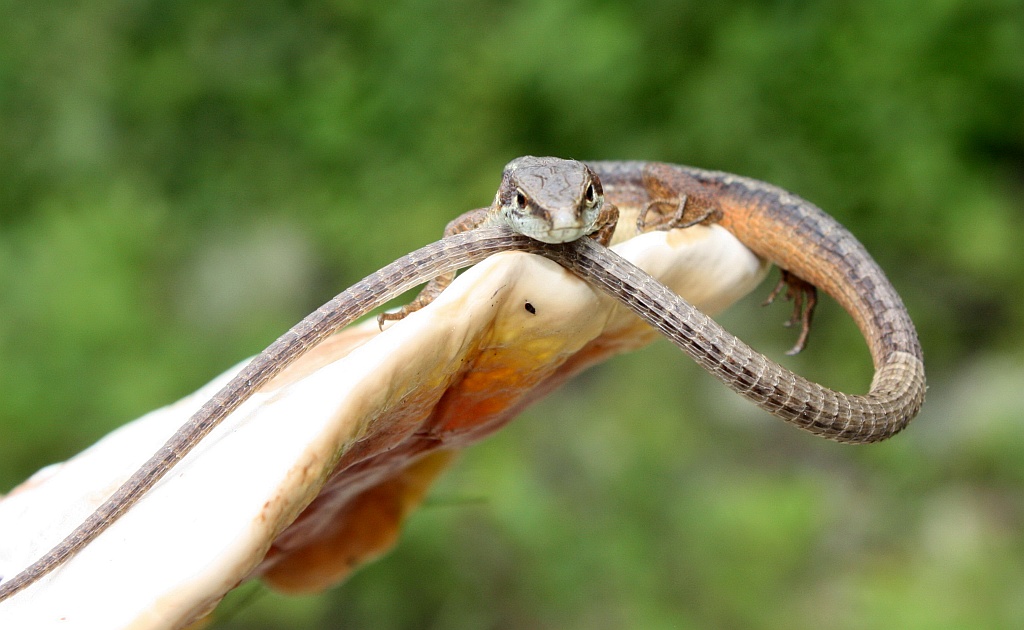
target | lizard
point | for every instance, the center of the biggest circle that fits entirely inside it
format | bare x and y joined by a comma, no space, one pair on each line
546,206
811,248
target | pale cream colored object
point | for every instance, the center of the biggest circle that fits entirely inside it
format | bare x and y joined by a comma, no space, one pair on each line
361,413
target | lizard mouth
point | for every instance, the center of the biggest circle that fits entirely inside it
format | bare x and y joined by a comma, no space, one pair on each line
561,235
546,230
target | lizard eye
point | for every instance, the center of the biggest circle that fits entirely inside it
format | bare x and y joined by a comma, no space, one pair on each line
520,200
590,195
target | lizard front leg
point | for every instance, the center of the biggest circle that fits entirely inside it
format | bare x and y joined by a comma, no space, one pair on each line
462,223
607,222
677,200
470,221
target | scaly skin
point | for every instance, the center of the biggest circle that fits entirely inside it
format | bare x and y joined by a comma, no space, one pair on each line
556,201
809,244
792,233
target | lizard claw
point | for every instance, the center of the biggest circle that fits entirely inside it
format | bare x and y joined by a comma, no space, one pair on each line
804,296
398,315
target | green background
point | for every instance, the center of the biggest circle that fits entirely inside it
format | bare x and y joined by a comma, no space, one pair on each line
182,181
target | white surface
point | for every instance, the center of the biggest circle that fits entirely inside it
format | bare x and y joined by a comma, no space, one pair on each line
204,527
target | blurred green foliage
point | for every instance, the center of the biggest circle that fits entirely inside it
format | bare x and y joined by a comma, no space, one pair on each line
181,181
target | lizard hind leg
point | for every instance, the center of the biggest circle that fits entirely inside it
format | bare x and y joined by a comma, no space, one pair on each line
679,217
804,296
676,201
463,223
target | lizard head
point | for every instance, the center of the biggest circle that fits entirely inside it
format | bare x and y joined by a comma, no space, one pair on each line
550,199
